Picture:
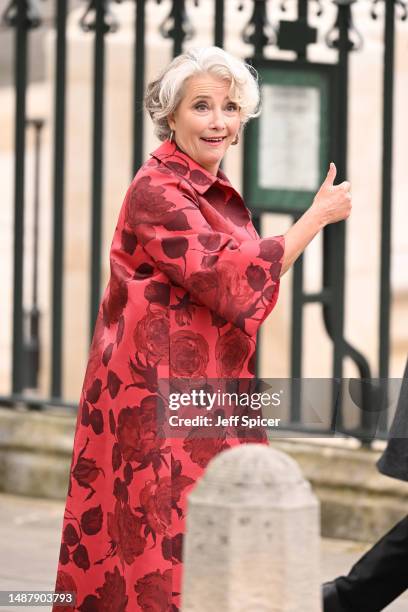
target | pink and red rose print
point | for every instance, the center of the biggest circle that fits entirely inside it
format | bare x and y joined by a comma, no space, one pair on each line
191,282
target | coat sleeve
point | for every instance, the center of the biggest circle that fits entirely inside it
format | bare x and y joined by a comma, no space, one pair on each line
238,280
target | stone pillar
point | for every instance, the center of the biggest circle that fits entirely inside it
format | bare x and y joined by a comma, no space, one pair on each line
252,538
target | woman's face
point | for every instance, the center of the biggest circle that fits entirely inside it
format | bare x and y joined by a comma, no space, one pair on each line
205,112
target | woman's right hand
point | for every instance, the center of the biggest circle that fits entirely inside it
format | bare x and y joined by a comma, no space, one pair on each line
332,203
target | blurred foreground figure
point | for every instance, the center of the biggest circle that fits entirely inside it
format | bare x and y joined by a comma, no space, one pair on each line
381,575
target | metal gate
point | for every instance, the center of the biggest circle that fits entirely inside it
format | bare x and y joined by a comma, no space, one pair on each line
22,17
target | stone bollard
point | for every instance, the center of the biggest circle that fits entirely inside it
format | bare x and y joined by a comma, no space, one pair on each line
252,540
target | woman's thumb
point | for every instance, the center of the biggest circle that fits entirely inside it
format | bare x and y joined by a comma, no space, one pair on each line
331,175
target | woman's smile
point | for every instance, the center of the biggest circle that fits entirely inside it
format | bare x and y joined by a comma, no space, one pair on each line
213,142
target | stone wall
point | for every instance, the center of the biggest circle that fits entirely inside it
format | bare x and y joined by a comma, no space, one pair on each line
357,502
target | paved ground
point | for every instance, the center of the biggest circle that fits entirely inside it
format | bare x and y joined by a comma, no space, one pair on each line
30,534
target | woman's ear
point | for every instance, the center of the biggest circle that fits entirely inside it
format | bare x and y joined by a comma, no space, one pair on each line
170,121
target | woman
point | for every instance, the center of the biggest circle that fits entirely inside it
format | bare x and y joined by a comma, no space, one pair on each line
191,282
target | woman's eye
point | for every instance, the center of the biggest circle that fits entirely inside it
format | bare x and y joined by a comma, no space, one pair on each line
231,106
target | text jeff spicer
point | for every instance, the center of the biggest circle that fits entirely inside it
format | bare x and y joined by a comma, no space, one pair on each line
231,421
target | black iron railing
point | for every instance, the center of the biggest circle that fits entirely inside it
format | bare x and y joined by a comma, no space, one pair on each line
22,16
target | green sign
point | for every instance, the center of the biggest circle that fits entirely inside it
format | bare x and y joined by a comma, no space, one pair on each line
289,146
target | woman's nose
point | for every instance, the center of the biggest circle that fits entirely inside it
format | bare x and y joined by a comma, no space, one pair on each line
217,119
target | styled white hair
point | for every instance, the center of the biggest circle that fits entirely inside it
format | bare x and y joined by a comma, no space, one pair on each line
164,94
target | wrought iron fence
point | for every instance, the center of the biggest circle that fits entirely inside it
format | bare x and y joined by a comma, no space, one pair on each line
24,16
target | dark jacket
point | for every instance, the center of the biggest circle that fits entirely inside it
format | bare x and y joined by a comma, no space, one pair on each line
394,461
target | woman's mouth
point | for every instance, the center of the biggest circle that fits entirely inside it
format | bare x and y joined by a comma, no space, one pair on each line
214,142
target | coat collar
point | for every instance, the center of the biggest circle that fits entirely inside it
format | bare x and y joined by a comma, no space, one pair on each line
183,165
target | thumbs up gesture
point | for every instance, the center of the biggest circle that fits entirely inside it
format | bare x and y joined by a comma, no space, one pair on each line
332,202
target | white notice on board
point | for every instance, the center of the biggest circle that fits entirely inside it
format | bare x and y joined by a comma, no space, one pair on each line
289,138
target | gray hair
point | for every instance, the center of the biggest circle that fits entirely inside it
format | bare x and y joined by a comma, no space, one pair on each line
164,94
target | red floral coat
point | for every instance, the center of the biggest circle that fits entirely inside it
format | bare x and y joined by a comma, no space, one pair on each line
191,282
